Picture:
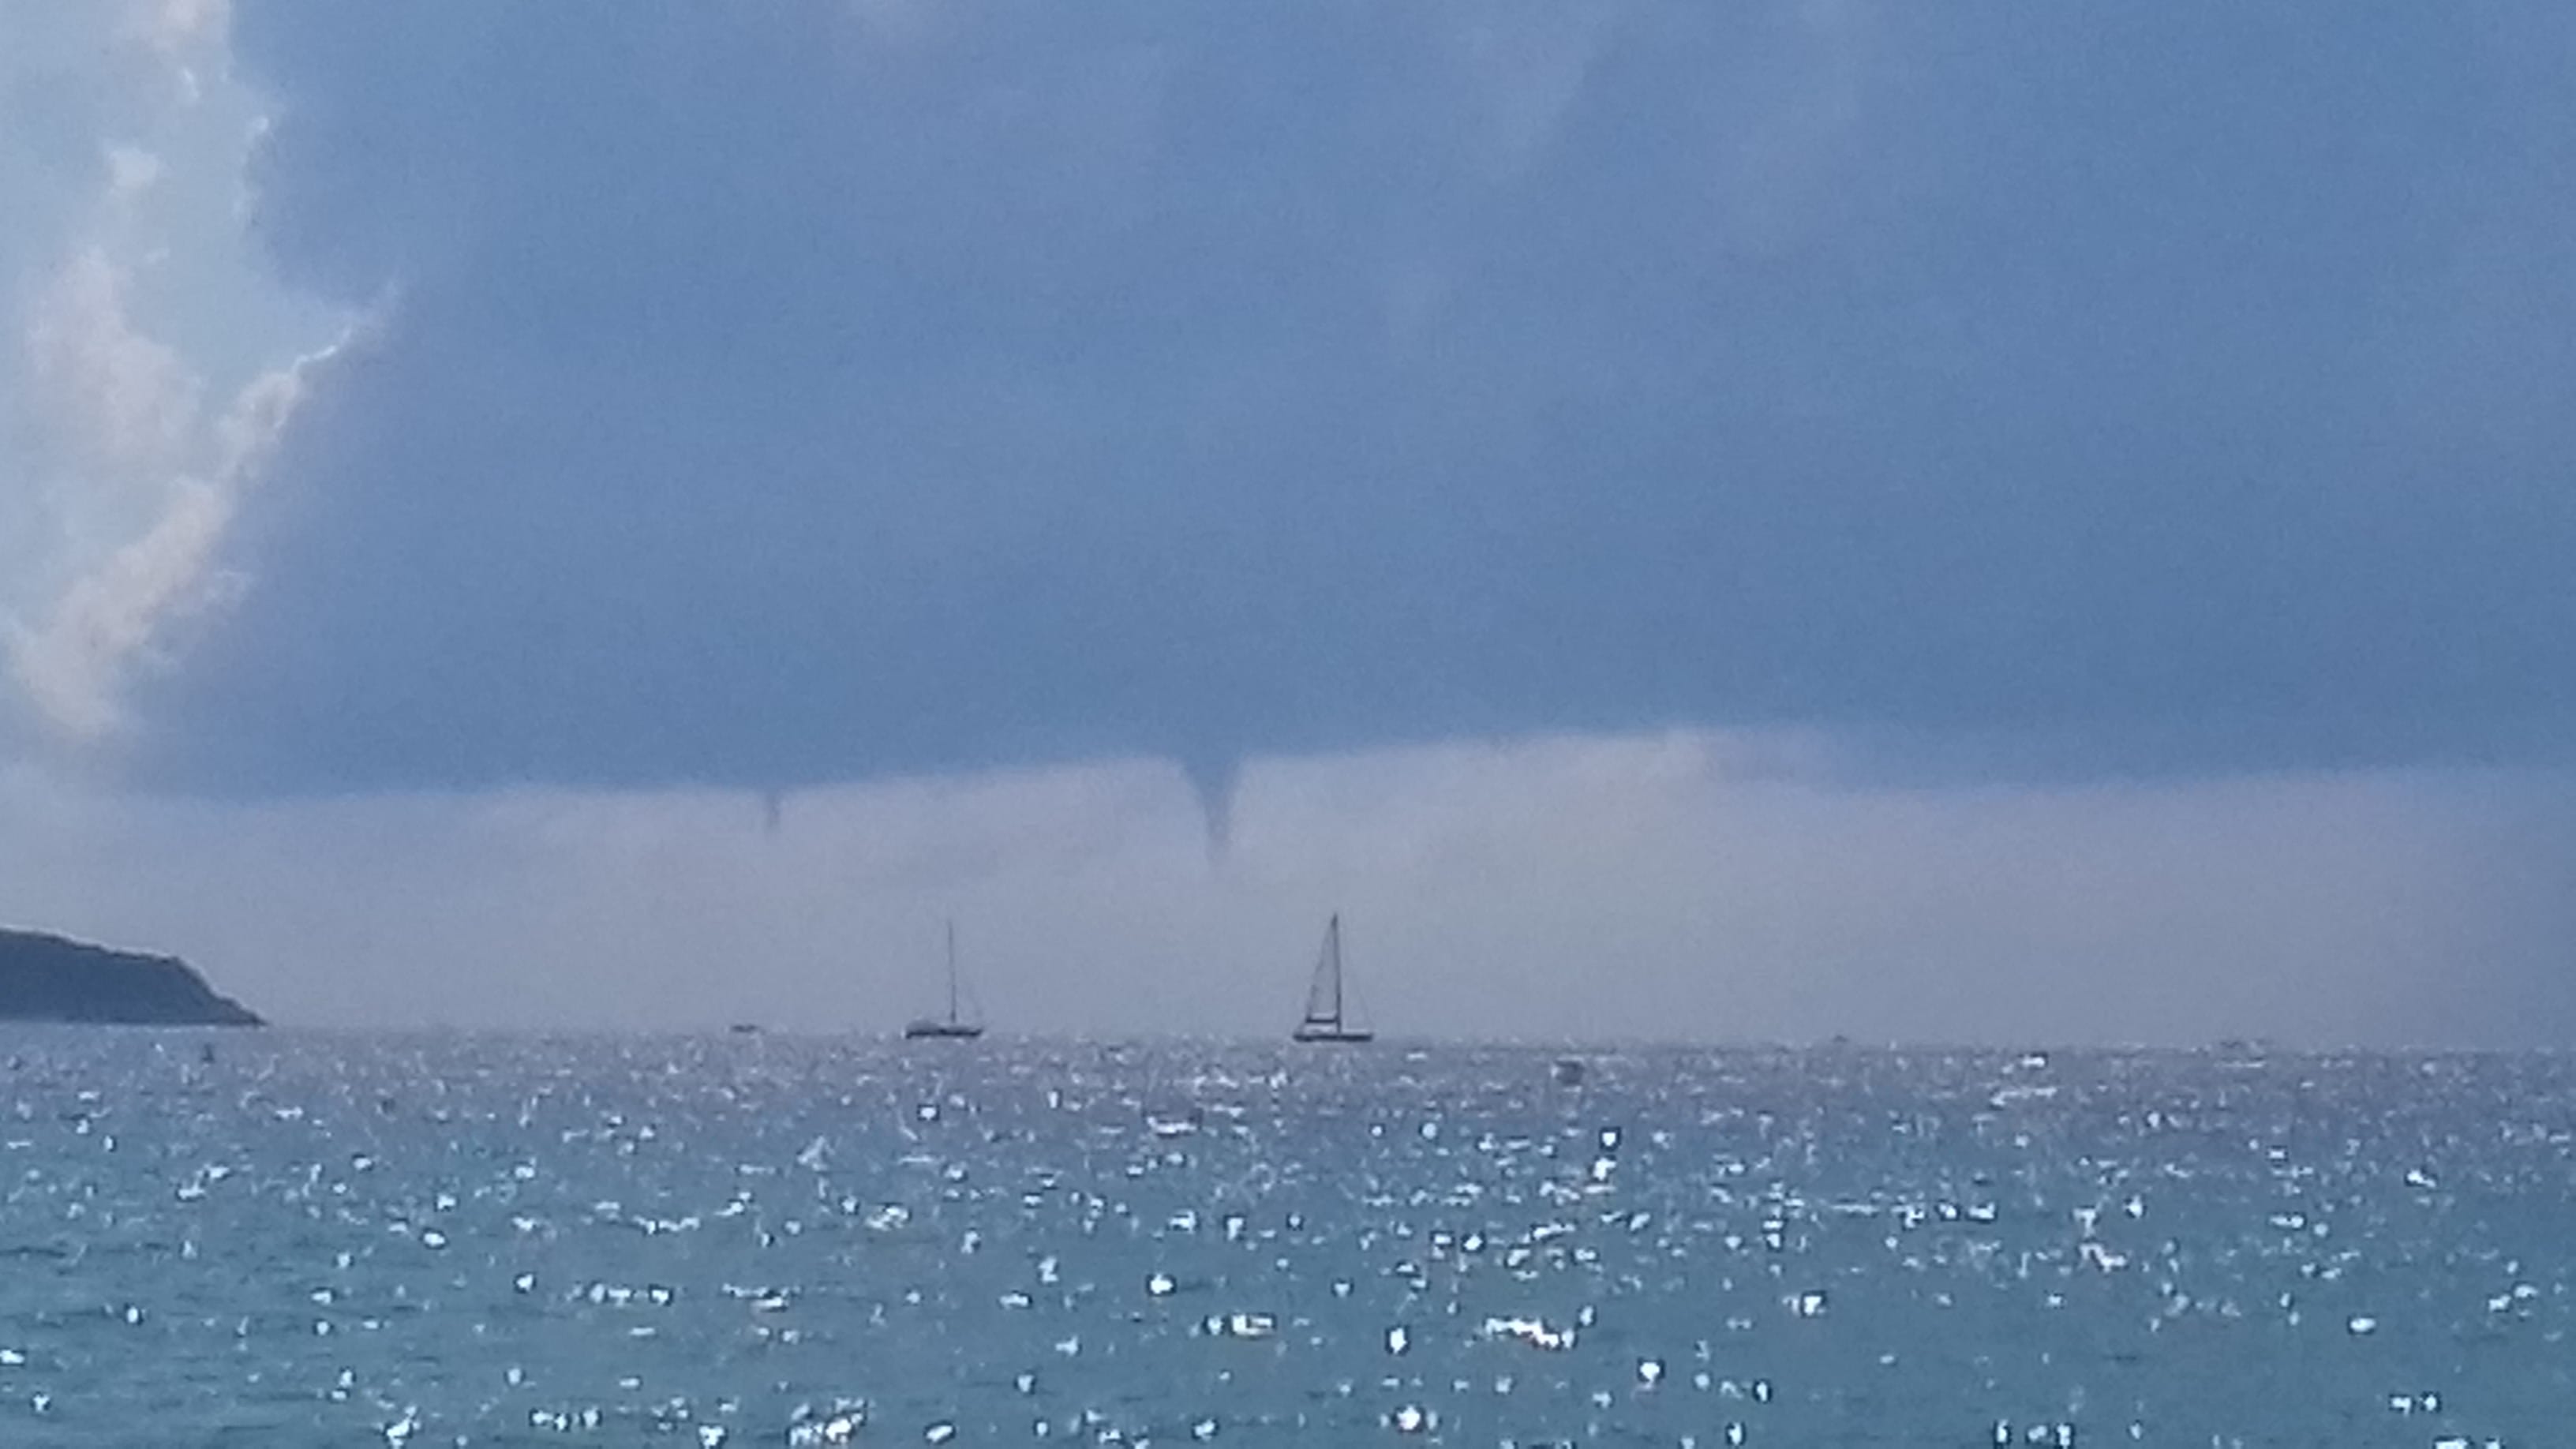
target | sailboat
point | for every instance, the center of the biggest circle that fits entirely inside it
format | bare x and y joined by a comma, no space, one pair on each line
952,1027
1325,1018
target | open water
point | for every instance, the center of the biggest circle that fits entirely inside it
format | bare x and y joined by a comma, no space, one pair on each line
335,1240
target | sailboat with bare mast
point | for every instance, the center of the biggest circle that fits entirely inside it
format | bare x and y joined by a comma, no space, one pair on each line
1326,1017
953,1026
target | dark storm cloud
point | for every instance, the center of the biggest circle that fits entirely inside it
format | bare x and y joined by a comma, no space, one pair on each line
779,394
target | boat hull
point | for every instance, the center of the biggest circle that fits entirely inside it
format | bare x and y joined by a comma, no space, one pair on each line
941,1031
1333,1035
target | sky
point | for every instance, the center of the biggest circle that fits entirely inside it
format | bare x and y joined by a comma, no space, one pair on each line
1995,523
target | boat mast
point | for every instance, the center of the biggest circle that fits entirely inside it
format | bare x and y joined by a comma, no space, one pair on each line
952,972
1333,956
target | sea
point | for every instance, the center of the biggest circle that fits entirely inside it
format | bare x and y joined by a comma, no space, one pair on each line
282,1238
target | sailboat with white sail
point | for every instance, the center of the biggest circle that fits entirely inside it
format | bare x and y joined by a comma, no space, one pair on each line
1327,1016
955,1026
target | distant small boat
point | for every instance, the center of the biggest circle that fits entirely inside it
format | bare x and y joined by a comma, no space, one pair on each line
745,1028
1325,1020
954,1026
1568,1071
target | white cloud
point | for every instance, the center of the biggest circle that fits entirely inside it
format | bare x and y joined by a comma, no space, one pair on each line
146,385
126,403
131,172
72,661
132,415
176,28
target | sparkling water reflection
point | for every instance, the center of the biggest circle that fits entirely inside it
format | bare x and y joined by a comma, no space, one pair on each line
772,1240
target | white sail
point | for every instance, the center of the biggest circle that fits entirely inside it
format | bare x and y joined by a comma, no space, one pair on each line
1327,1013
1324,992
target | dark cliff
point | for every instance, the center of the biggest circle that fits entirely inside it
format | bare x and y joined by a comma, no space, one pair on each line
47,978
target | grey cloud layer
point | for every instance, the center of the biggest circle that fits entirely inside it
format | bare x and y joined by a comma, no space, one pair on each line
788,394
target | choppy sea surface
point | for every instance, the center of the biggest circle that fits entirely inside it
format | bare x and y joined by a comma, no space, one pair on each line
284,1239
